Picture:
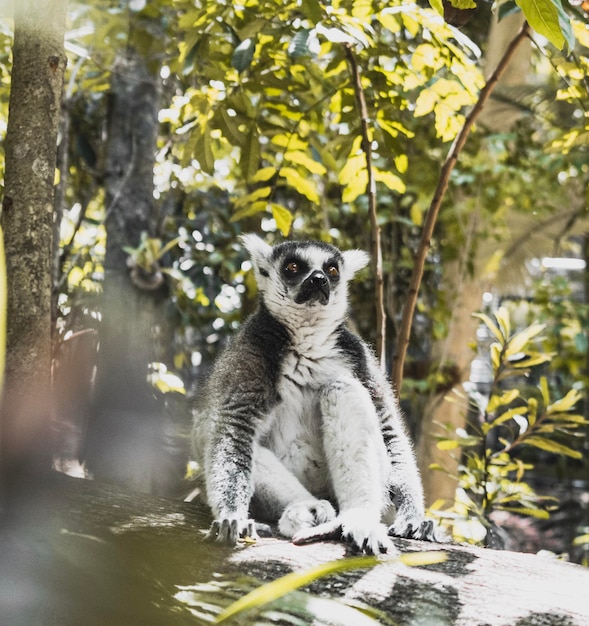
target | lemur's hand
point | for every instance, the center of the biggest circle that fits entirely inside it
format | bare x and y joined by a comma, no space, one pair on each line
229,529
422,529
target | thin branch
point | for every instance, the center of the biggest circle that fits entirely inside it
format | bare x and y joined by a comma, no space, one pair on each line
371,193
432,214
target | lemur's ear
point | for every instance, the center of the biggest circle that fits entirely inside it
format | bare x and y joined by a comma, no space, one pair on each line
354,261
259,252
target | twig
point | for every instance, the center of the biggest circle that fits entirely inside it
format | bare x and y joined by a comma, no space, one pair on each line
432,214
371,193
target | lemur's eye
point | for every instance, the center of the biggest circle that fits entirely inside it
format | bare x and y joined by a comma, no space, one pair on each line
332,271
292,267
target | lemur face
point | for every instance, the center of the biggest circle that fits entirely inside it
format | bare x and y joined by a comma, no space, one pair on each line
304,277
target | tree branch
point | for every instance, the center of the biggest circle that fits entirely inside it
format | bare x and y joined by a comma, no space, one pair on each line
432,214
371,193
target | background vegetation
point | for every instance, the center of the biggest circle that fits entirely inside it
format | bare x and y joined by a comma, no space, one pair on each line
184,124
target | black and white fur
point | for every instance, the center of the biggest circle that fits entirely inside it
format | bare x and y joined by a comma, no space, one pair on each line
299,424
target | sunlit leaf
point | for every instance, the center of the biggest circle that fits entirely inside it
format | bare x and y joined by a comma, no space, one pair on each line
532,411
447,444
518,342
277,588
305,186
283,218
552,446
302,158
506,398
502,317
394,183
490,325
264,174
509,414
564,404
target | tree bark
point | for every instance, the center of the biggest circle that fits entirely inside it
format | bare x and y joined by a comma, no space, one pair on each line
27,217
126,428
100,555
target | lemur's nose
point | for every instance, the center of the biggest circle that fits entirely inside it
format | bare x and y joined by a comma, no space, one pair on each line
318,279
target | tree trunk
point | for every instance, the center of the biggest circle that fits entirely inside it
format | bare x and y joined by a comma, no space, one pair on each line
125,431
468,290
27,216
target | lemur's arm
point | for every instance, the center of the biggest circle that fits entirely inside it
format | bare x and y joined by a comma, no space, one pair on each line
241,395
239,400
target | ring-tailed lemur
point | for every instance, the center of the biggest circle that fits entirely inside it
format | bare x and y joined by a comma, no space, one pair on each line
299,425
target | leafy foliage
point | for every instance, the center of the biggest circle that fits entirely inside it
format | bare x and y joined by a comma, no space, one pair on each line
513,417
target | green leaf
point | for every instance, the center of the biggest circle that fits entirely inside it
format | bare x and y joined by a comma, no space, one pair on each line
250,153
543,17
552,446
243,55
299,46
313,10
203,151
506,9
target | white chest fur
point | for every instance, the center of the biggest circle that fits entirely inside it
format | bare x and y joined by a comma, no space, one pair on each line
295,430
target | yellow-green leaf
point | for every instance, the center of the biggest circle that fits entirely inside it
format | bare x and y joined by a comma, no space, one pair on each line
263,175
247,211
305,186
280,587
505,417
490,325
520,340
552,446
502,317
302,158
506,398
564,404
283,218
257,194
532,411
542,16
250,153
544,390
394,183
447,444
